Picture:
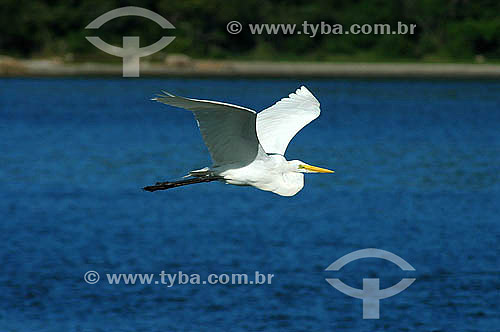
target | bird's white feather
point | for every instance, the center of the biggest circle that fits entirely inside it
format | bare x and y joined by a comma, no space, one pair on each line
278,124
228,130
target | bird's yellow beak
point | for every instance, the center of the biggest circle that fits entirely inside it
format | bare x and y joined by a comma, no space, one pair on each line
316,169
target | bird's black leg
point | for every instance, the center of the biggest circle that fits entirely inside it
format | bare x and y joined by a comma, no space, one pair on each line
168,185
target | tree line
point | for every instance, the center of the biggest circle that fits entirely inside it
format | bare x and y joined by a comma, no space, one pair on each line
446,30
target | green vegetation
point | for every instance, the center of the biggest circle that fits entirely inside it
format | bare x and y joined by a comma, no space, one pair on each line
455,30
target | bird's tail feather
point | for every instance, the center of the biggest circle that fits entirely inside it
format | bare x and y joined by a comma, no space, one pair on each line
168,185
200,173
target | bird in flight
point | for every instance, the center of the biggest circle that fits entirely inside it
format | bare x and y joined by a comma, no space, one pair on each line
248,148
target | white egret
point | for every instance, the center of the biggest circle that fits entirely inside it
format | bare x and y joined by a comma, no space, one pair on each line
248,148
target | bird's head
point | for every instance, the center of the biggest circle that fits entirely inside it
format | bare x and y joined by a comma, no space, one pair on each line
301,167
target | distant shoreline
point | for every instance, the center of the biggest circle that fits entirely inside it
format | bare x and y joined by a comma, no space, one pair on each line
10,67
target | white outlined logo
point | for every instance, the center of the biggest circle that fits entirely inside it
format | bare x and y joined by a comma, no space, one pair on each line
91,277
131,52
371,294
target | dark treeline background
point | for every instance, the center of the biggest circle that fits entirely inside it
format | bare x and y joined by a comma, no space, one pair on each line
447,30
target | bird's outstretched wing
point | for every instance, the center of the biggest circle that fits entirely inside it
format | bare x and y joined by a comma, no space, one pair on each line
278,124
228,130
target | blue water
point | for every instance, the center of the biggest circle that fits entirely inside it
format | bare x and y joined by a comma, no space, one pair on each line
417,173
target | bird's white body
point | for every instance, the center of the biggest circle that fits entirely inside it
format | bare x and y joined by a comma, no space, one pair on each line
271,173
247,148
